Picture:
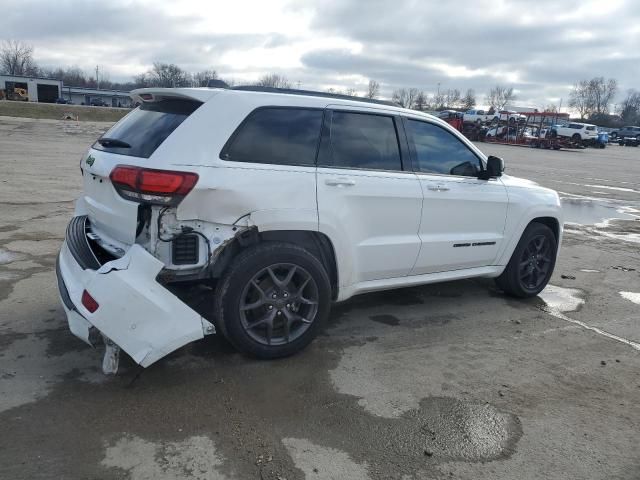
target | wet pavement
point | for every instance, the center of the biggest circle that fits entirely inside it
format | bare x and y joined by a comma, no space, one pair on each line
443,381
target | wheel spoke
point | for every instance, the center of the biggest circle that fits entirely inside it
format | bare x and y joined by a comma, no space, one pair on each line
267,319
254,305
289,277
274,277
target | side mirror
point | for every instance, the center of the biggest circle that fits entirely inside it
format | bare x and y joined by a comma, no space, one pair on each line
495,167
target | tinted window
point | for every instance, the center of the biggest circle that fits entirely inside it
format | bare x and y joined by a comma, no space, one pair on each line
142,131
438,151
360,140
282,136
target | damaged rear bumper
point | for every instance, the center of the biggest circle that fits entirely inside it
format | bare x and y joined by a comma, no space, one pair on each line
134,311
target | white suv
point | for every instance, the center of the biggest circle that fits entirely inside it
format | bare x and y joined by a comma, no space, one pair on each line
578,132
285,201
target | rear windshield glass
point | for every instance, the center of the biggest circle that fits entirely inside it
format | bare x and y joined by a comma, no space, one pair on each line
142,131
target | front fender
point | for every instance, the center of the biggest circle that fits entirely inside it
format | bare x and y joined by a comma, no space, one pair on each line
523,209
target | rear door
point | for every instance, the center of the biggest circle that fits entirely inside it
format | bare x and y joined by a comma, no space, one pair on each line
463,217
368,203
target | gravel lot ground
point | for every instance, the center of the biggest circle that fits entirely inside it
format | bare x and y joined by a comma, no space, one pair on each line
443,381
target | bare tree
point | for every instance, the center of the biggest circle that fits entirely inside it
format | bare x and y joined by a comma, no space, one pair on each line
274,80
630,107
439,101
579,98
593,97
421,102
201,79
166,75
352,92
552,107
601,93
373,91
452,98
16,58
469,99
405,97
500,96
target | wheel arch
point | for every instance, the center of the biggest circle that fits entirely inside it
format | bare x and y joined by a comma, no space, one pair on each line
550,222
316,243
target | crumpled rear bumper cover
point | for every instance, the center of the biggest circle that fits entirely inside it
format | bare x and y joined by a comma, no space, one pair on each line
135,312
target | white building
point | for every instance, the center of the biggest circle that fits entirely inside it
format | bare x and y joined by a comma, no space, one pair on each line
38,89
47,90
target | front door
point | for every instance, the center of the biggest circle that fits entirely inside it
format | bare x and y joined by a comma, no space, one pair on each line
367,203
463,217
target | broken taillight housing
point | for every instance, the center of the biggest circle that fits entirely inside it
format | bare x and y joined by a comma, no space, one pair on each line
146,185
89,302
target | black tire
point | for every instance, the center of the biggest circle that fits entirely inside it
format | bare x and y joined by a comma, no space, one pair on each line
511,280
233,288
577,138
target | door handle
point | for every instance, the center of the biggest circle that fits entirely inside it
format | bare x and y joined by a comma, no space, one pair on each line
438,188
339,182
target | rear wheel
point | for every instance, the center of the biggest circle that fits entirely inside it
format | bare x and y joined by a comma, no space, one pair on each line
531,264
273,300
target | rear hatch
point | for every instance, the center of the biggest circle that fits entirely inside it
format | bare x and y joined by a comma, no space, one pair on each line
132,142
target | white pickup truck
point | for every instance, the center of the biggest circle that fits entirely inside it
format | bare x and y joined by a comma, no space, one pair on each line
477,116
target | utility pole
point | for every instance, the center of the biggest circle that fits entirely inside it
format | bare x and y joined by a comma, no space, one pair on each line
97,81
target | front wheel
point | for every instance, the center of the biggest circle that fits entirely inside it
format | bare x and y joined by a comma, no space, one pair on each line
273,300
531,263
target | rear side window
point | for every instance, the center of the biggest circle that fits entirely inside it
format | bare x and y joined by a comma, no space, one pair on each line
281,136
143,130
361,140
438,151
591,128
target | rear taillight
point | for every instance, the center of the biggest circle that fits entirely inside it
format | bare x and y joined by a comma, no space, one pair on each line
89,302
146,185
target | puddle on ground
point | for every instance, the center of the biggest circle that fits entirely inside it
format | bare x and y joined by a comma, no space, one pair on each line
590,211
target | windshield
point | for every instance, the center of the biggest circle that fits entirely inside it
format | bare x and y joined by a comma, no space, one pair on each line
143,130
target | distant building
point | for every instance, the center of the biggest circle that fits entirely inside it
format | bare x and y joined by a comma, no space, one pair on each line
47,90
89,96
38,89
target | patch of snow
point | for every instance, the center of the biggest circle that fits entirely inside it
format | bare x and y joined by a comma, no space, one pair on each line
588,270
6,257
619,189
561,300
631,296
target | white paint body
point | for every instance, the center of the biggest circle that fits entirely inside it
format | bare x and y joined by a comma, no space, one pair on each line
387,229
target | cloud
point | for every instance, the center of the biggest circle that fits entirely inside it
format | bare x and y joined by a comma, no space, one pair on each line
540,48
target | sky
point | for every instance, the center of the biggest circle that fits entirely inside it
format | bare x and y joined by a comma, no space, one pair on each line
540,48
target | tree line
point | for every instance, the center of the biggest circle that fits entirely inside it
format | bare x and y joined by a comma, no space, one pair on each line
591,99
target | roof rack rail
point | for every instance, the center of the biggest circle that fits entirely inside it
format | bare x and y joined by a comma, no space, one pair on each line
312,93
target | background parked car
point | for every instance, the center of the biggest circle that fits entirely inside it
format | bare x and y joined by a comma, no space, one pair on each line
629,131
476,116
578,132
98,102
509,116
